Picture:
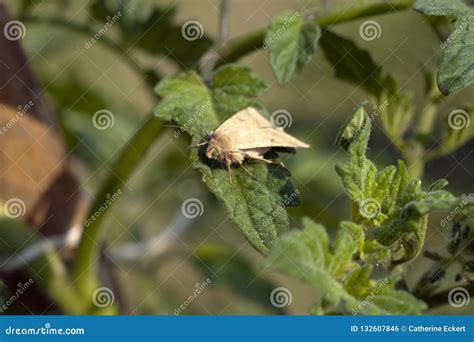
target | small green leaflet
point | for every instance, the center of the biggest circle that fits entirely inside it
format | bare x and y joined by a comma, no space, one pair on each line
291,43
330,268
456,70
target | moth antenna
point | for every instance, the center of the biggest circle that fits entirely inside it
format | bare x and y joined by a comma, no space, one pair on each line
229,170
189,131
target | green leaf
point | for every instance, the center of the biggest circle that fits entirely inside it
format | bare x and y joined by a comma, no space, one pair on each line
356,65
441,7
257,205
152,28
291,43
235,88
187,102
456,70
307,255
222,265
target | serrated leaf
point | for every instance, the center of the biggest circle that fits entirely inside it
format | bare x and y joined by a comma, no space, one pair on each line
235,88
356,65
456,69
291,43
307,255
257,205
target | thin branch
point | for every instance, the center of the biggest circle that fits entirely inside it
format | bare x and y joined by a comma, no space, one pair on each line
223,34
235,49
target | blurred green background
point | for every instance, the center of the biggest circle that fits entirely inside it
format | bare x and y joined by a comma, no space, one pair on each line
159,272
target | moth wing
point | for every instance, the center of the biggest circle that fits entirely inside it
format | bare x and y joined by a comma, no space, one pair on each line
252,138
245,119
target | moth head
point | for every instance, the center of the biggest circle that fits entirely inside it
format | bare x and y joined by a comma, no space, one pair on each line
213,151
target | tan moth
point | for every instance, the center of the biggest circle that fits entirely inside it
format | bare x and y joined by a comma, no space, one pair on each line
246,135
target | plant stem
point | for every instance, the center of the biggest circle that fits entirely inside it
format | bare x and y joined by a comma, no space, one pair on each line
104,40
130,156
240,46
84,271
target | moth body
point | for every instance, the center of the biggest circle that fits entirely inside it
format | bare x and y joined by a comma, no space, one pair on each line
246,135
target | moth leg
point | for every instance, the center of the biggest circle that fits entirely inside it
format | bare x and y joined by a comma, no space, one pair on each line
229,169
247,171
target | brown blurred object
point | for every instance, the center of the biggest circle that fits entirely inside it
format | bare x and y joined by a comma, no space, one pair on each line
34,166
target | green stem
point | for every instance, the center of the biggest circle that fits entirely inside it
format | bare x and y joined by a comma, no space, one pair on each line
132,153
104,40
84,271
241,46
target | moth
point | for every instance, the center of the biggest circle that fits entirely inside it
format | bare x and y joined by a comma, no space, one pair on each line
246,135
